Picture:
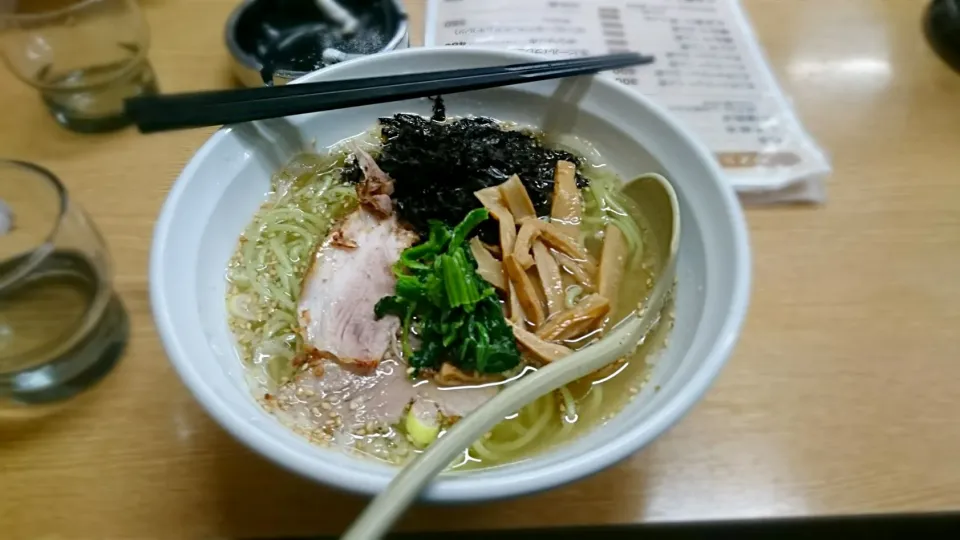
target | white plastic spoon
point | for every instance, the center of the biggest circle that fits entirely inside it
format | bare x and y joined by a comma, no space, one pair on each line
658,203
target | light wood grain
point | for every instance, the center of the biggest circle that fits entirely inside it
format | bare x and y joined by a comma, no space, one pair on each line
842,397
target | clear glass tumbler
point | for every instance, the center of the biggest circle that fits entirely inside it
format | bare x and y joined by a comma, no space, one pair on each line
61,326
84,56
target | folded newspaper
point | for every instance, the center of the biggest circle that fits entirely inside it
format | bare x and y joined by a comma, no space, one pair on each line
709,72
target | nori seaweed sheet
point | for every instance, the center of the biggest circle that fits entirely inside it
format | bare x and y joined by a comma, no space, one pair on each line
437,166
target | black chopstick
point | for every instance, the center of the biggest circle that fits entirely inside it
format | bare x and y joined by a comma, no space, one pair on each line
245,94
178,111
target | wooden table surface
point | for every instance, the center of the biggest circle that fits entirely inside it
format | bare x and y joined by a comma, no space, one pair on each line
843,395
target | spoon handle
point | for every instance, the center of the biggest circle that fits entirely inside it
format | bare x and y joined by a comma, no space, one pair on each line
379,515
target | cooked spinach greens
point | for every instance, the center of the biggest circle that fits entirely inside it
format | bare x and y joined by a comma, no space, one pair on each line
456,314
438,165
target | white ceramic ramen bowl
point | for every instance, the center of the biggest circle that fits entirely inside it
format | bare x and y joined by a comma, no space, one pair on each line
225,182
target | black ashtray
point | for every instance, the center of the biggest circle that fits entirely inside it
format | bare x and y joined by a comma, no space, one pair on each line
294,37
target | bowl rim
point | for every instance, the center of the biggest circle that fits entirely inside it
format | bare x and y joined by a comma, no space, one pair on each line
461,488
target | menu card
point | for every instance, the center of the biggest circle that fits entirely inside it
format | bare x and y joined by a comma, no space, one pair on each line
709,72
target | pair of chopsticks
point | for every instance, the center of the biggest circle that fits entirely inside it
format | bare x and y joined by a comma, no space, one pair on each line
181,111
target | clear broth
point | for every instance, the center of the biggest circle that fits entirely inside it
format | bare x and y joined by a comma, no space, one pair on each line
547,422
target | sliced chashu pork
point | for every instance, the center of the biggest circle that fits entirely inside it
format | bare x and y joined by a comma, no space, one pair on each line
352,271
349,274
380,397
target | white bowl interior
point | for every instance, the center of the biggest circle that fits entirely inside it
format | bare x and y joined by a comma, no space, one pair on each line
225,183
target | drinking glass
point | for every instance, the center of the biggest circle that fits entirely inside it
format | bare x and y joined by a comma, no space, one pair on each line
61,326
84,56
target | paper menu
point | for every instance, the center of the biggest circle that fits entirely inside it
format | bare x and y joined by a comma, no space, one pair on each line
709,72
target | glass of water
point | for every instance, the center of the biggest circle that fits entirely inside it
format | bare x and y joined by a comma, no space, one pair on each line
61,326
84,56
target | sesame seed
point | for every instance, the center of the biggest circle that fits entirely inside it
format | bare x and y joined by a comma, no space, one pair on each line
315,411
309,393
326,405
354,405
